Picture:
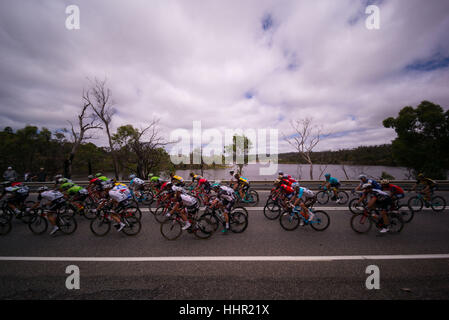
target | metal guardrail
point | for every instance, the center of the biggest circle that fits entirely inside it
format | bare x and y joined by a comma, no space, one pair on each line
443,185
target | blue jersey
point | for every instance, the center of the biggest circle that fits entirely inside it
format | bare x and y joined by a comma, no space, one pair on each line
333,181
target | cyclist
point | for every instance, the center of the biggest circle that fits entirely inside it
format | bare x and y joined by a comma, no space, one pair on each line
242,185
54,200
364,180
77,194
16,194
395,192
286,192
304,198
119,195
429,186
136,185
379,199
183,204
195,177
333,184
225,200
177,180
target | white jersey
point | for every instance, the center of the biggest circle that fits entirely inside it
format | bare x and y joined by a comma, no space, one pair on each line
305,193
176,189
226,193
187,200
51,195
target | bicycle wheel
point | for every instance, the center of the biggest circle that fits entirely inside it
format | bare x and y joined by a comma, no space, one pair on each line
438,204
203,228
238,222
132,211
212,220
241,209
361,223
5,225
132,225
272,210
321,221
100,226
354,207
289,220
415,204
160,214
396,223
66,223
90,212
38,225
252,198
322,197
405,213
343,197
171,229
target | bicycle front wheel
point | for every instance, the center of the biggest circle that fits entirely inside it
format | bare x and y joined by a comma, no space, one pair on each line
160,214
171,229
238,222
321,221
343,197
396,223
204,228
354,207
361,223
405,213
132,226
289,221
66,223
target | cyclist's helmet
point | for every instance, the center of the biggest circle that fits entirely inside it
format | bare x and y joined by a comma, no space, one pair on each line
58,176
367,186
99,174
420,176
385,182
132,176
295,185
192,174
280,173
236,176
215,186
363,177
42,189
90,177
231,172
327,175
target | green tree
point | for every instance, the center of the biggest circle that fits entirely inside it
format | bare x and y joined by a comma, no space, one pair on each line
239,149
423,139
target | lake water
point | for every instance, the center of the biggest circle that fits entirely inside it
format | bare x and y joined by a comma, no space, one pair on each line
301,172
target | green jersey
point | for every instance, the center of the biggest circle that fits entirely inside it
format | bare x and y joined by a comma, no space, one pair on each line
74,190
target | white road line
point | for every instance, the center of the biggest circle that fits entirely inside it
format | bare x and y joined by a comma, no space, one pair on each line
231,258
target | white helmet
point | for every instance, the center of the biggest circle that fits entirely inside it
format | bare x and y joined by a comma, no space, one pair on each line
362,176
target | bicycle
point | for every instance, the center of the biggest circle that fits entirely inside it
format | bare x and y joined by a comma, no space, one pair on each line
201,227
102,224
354,206
363,222
290,219
238,220
24,215
416,203
274,205
325,194
38,225
250,197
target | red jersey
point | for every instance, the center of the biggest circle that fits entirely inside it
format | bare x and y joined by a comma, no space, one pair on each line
286,189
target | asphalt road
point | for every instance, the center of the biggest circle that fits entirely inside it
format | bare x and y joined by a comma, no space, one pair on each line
407,277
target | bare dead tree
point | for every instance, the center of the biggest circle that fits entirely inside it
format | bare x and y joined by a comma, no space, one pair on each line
99,98
344,171
305,139
85,123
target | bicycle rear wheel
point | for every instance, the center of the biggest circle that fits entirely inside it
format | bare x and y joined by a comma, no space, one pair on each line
396,223
132,225
361,223
132,211
272,210
171,229
212,220
322,197
289,220
405,213
252,198
321,221
438,204
100,226
415,204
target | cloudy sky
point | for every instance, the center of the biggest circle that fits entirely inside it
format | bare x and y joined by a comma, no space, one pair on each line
231,64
